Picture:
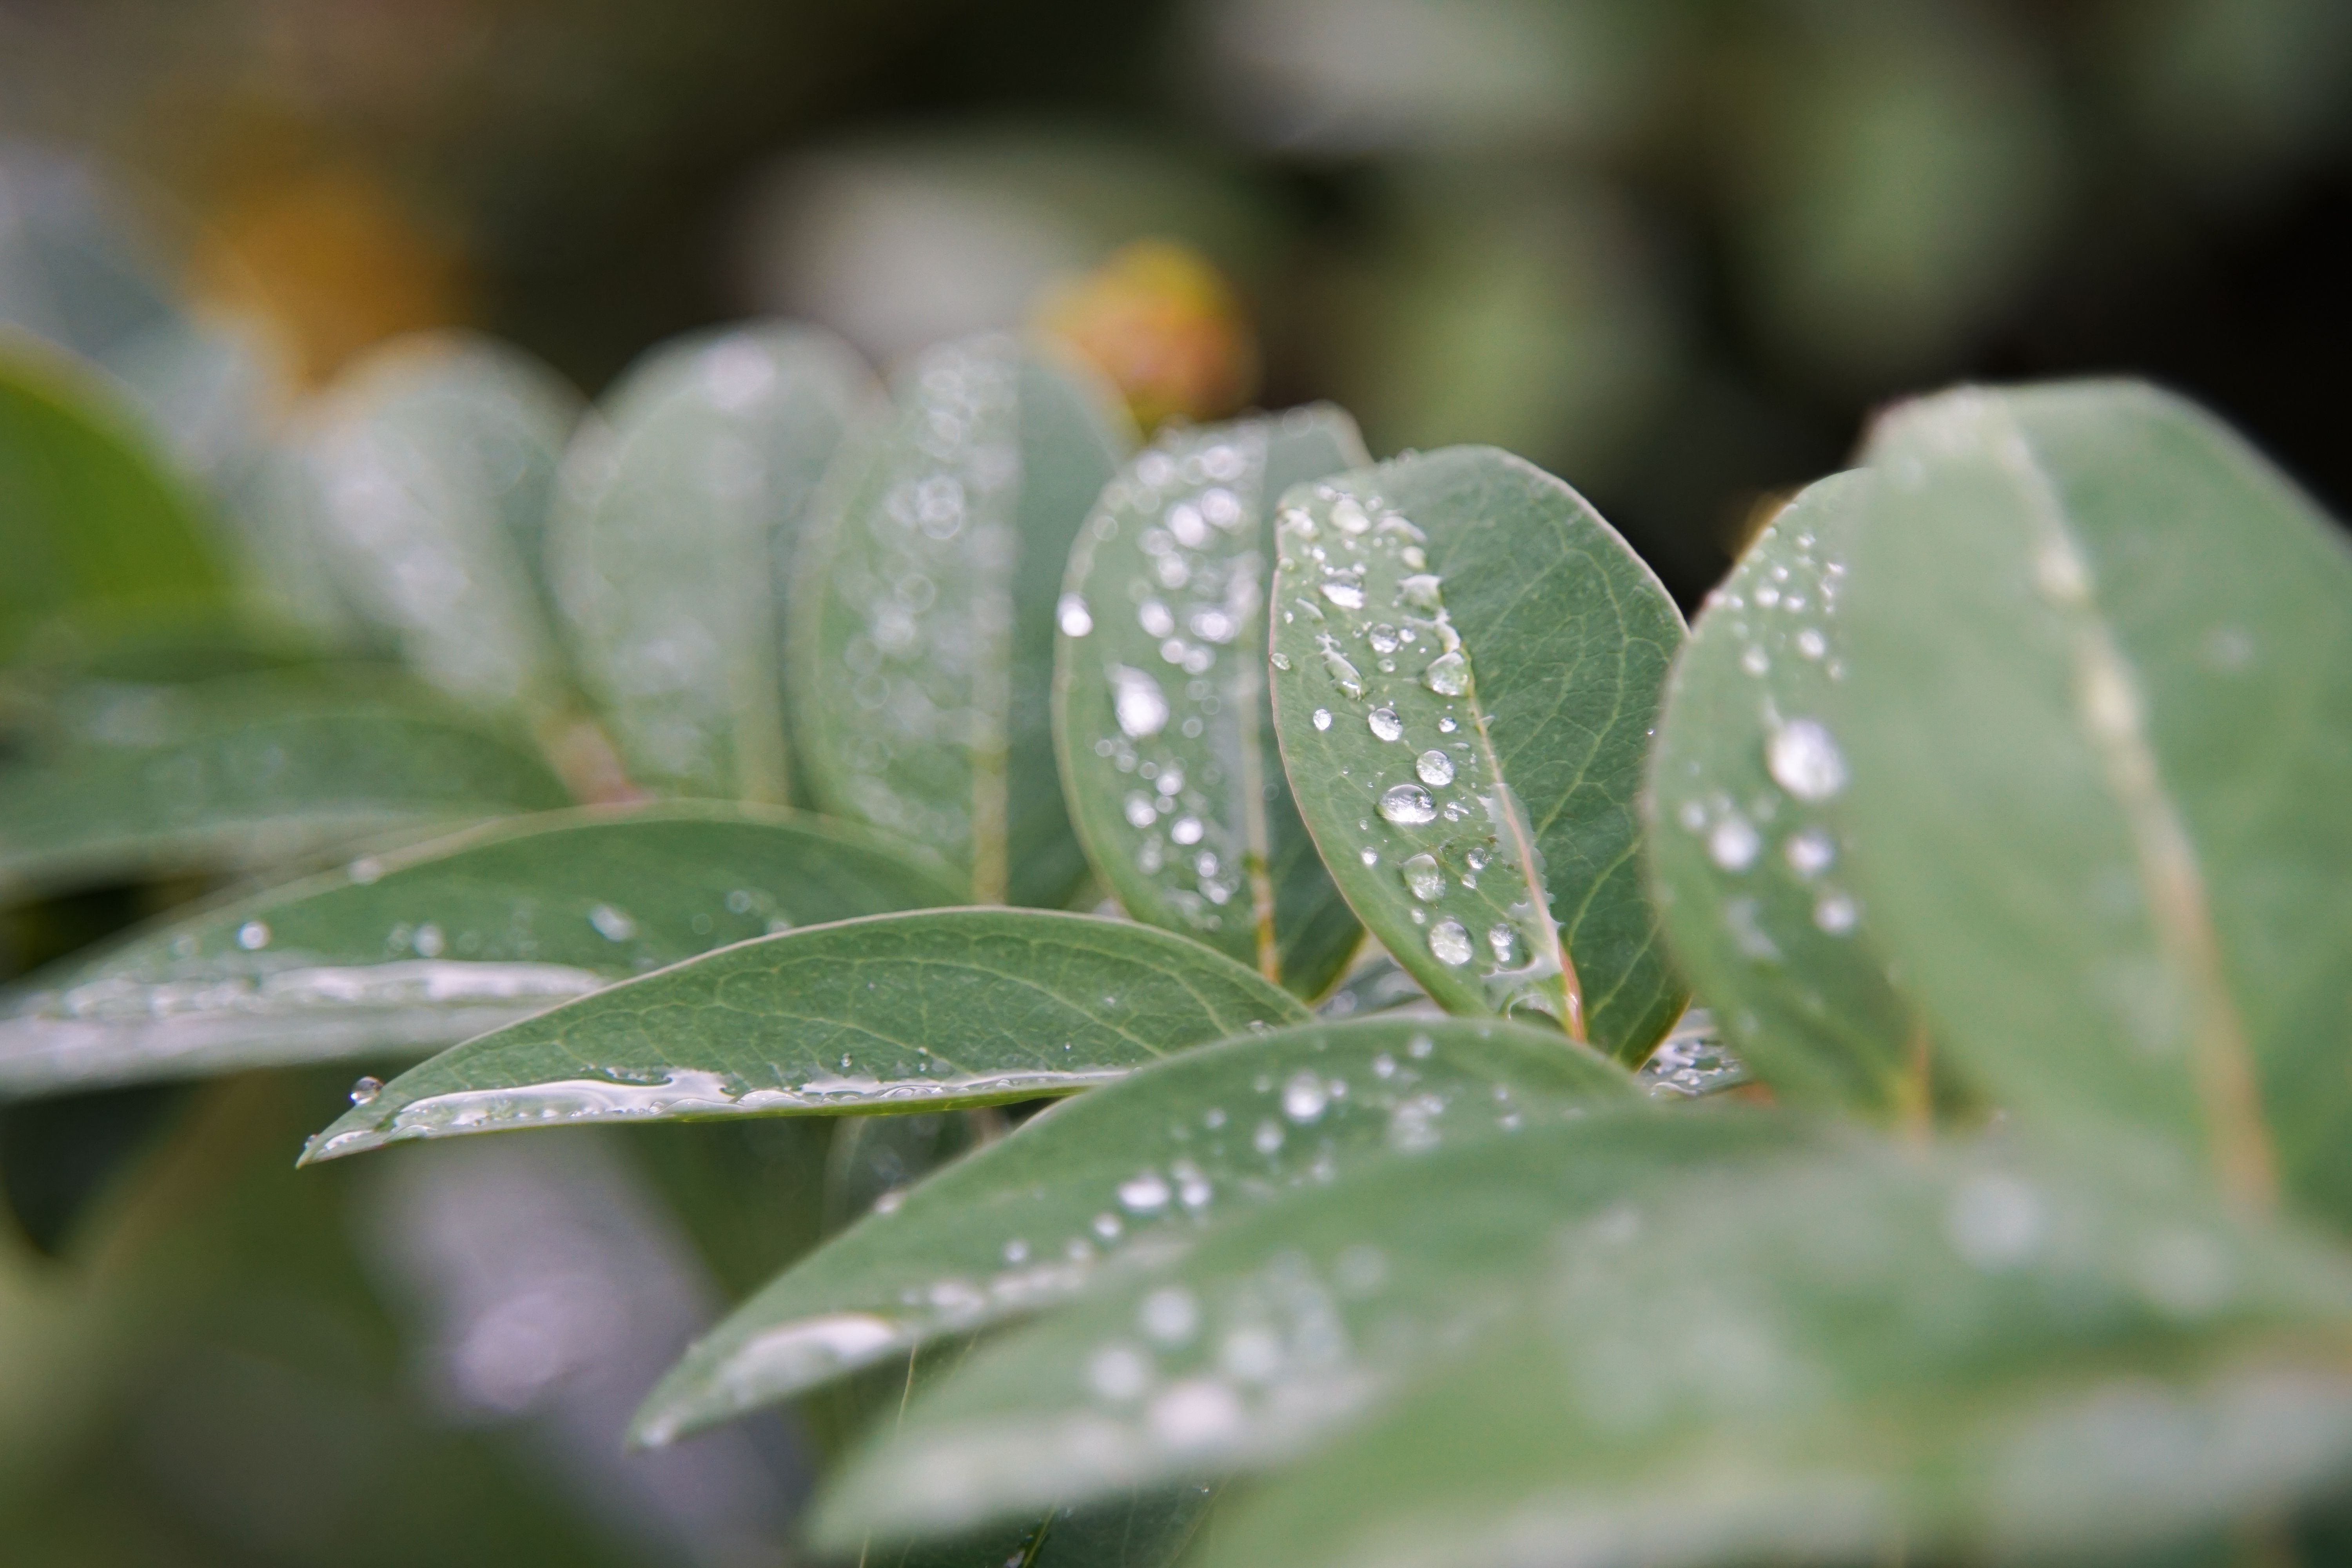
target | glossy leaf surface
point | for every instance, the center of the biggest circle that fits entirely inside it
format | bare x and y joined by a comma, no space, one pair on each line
923,619
244,771
914,1011
2098,726
1137,1168
1161,708
672,545
1278,1330
419,949
1751,867
1977,1353
1468,663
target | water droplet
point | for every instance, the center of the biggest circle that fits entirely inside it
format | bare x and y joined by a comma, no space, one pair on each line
1804,761
1812,644
1281,660
1446,726
1449,941
1137,700
1145,1194
1016,1251
1448,675
1343,674
1504,942
1139,810
1267,1138
367,1090
428,941
610,923
1170,1315
1420,590
1753,661
1835,913
1153,616
1071,615
1383,637
1407,804
1810,852
1304,1097
252,936
1385,725
1424,880
1118,1372
1436,768
1733,844
1348,515
1322,718
1348,595
1369,857
1186,830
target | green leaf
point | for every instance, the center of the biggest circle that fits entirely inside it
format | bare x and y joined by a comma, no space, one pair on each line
673,541
1970,1354
1467,667
2096,715
1145,1529
914,1011
1749,865
922,615
1161,710
1137,1168
432,467
245,771
94,527
1278,1329
421,948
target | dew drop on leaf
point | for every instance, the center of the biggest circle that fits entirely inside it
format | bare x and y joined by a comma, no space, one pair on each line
1733,844
1810,852
252,936
1142,706
1407,804
1303,1097
367,1090
1448,675
1436,768
1449,942
1385,725
1071,615
1804,761
1322,718
1424,880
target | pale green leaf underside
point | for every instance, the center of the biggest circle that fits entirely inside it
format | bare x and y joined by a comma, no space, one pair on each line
1279,1329
1137,1168
922,614
2099,725
1468,662
672,543
1160,708
909,1012
241,771
1750,866
1970,1354
419,949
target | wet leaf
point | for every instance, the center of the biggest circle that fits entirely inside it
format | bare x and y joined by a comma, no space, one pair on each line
1279,1329
1750,866
431,467
1161,710
94,527
421,948
672,543
1136,1168
923,614
1977,1354
1467,665
243,771
2101,682
915,1012
1145,1529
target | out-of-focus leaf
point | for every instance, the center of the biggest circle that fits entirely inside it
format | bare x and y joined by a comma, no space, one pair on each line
1136,1168
673,540
421,948
431,470
241,771
916,1012
1468,666
923,614
1377,984
95,531
2098,722
76,265
1143,1529
1749,866
1277,1330
1160,708
1974,1352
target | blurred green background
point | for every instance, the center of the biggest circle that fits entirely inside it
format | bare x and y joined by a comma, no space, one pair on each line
1675,250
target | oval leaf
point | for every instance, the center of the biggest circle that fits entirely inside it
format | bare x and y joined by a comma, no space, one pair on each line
1161,711
421,948
1749,865
2101,676
922,617
245,771
1467,667
916,1012
1137,1168
673,540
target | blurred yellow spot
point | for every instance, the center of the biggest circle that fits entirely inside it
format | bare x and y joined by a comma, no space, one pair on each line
1164,326
334,262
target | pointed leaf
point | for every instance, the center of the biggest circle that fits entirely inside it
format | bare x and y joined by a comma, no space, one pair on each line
421,948
1144,1530
923,614
1277,1330
2101,796
1750,866
1978,1354
1160,708
673,540
244,771
431,465
1468,666
1137,1168
914,1011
